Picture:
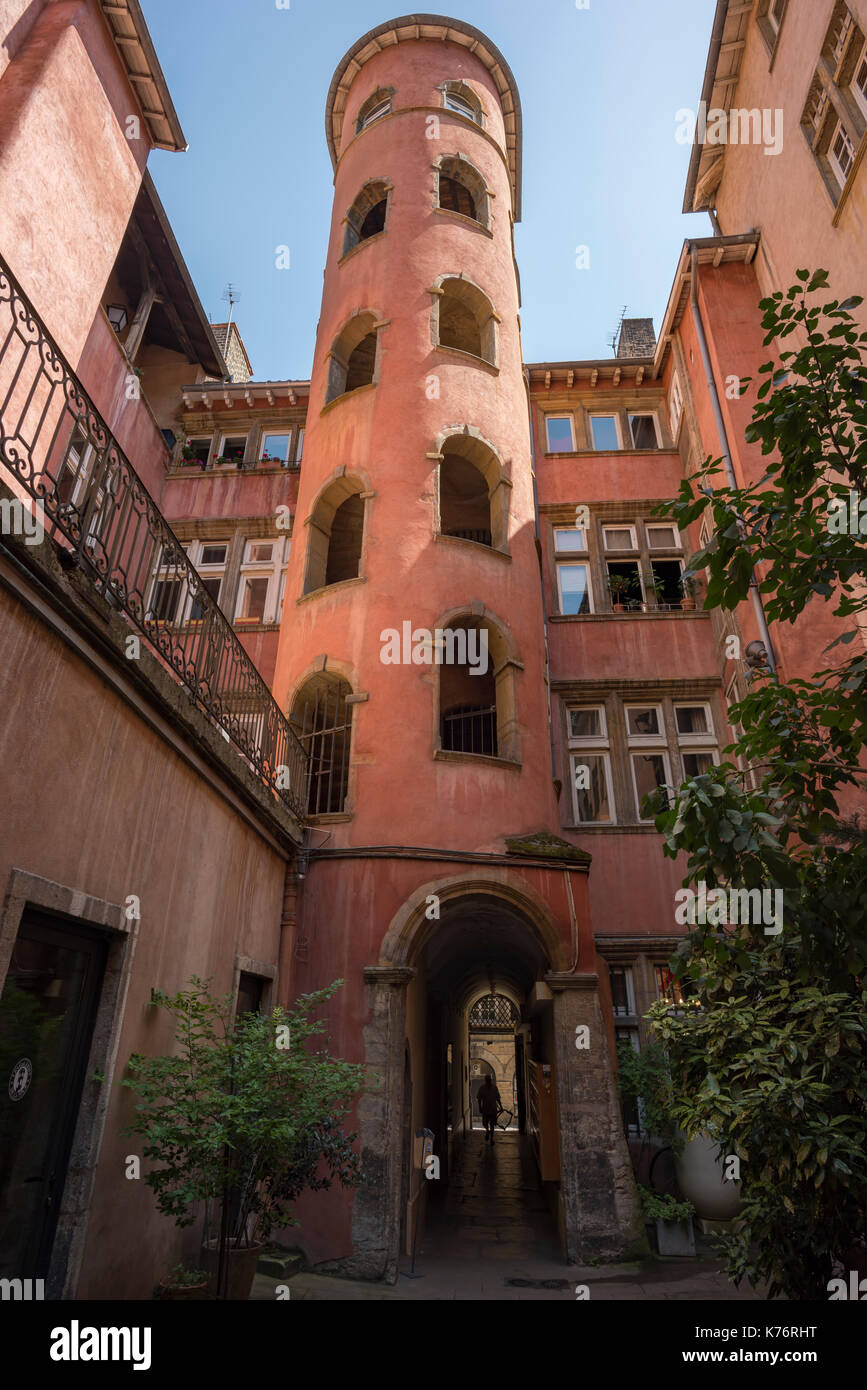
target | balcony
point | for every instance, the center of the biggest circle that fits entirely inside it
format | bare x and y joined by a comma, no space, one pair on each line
58,454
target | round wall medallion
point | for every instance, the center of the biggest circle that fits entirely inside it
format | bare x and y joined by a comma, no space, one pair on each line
19,1081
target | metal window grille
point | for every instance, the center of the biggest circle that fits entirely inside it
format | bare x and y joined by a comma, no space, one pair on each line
324,721
470,730
493,1011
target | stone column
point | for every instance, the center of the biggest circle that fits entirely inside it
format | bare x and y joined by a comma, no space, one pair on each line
376,1209
601,1210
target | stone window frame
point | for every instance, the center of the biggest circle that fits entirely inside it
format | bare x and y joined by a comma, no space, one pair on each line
602,414
770,24
463,90
377,97
597,555
633,448
358,210
476,185
559,415
338,358
76,908
274,570
339,673
482,454
343,484
265,971
834,102
597,745
295,432
506,665
488,326
620,745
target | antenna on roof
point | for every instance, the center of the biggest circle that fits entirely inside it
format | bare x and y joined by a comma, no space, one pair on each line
231,294
616,334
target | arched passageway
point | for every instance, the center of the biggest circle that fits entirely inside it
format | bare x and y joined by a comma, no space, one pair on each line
475,1007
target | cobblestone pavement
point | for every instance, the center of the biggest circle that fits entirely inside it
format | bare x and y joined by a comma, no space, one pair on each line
491,1227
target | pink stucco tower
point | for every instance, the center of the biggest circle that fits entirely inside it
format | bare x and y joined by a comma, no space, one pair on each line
432,806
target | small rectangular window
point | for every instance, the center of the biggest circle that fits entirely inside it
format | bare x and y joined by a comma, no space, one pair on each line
560,434
574,587
212,554
232,447
587,723
625,584
649,771
254,592
667,989
591,785
859,82
644,432
696,762
619,537
644,722
662,536
842,154
622,996
196,450
259,552
567,539
275,448
675,406
606,435
692,720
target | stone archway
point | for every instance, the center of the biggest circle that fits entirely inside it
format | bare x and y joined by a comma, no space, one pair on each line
482,922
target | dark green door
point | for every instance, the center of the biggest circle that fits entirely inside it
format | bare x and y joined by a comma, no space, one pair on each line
47,1012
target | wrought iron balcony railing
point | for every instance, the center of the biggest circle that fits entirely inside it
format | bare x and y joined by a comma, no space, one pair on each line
93,505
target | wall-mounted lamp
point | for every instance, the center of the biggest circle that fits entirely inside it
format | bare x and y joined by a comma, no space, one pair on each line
117,317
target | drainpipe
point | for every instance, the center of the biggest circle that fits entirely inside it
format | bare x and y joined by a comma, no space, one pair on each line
758,609
541,573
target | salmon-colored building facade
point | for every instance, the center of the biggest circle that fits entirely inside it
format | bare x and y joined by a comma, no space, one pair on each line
428,580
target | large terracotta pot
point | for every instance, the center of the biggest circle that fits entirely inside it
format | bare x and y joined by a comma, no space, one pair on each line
700,1178
242,1268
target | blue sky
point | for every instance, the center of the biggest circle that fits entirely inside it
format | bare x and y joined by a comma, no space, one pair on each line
599,90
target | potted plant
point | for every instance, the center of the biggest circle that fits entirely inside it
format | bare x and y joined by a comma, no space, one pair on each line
673,1221
182,1284
243,1115
690,587
618,585
653,584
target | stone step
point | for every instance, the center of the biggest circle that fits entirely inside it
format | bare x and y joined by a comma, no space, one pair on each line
280,1264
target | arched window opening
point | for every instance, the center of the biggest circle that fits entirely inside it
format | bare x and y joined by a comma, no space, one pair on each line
352,357
460,98
468,697
465,507
344,547
454,197
466,320
477,698
494,1012
378,104
336,533
366,217
472,489
462,189
322,720
374,221
458,326
362,359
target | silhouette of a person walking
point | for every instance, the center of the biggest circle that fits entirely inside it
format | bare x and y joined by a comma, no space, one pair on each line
490,1106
